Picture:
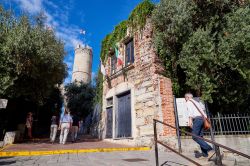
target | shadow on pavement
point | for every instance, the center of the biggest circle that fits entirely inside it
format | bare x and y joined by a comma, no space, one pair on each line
6,162
135,160
83,138
170,163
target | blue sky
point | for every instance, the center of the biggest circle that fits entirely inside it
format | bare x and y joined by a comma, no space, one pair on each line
67,17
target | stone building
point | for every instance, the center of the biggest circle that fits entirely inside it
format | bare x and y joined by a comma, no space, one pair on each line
82,68
136,92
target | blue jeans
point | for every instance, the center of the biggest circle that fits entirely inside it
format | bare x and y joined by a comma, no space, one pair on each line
198,130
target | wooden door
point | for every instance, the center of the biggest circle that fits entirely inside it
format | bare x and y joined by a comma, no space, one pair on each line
123,116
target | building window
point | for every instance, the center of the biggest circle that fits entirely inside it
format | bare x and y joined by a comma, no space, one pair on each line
129,52
110,102
113,64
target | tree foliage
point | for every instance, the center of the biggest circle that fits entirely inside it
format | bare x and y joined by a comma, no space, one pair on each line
98,88
80,98
208,43
31,58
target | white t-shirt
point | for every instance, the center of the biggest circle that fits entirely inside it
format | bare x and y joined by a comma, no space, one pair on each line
192,110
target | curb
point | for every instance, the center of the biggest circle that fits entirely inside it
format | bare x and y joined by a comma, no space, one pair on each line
55,152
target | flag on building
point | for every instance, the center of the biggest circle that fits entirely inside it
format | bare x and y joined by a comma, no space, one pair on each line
118,56
82,31
103,71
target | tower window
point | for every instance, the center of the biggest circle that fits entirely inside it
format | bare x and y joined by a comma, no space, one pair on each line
129,52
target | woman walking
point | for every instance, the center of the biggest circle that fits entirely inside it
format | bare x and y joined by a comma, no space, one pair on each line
29,122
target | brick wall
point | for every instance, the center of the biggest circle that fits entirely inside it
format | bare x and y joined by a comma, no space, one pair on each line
152,91
167,105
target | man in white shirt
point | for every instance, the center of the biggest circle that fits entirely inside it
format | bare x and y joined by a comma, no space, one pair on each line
196,123
65,125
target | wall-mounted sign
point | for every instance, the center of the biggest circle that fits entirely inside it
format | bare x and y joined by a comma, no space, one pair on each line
182,110
3,103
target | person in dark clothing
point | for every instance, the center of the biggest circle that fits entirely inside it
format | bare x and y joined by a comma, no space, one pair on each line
75,127
29,124
53,128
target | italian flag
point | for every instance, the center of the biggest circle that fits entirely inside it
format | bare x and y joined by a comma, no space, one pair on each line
118,56
103,71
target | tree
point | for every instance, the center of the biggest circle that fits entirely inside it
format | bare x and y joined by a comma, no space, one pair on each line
31,69
208,43
98,88
31,63
172,21
80,98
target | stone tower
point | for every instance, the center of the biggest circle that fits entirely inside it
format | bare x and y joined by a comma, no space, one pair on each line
82,64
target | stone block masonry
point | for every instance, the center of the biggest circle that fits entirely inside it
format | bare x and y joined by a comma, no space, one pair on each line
151,92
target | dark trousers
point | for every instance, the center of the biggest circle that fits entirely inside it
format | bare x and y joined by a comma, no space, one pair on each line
198,130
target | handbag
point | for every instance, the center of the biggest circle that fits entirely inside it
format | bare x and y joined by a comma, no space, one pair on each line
207,123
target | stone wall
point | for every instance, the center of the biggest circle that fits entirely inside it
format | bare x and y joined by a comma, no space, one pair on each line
82,68
151,92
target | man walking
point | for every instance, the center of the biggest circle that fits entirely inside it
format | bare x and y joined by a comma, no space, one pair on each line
75,128
53,129
65,125
196,123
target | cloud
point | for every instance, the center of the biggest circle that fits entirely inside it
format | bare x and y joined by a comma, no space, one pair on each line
33,6
57,18
57,15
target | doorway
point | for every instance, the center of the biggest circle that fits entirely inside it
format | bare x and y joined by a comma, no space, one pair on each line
123,115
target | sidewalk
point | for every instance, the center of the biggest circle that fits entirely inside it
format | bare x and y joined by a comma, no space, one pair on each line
44,147
131,158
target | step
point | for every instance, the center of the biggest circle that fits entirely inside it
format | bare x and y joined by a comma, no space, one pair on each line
228,160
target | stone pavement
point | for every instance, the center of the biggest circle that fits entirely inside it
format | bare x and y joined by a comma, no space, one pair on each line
73,155
86,142
131,158
46,145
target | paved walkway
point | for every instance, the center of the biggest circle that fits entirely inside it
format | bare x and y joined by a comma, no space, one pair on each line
132,158
78,154
86,142
46,146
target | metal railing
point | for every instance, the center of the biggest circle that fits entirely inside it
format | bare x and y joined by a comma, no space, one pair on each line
230,124
227,124
217,146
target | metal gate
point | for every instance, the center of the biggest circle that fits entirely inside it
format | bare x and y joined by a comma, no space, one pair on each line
109,129
123,116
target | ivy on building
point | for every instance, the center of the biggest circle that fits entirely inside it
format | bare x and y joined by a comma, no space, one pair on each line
111,39
136,21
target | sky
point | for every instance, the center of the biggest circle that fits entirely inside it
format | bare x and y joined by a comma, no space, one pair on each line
67,17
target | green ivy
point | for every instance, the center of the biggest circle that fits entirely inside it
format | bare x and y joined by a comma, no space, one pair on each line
111,39
139,15
136,20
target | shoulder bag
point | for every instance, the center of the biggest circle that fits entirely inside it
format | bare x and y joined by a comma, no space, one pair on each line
207,123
